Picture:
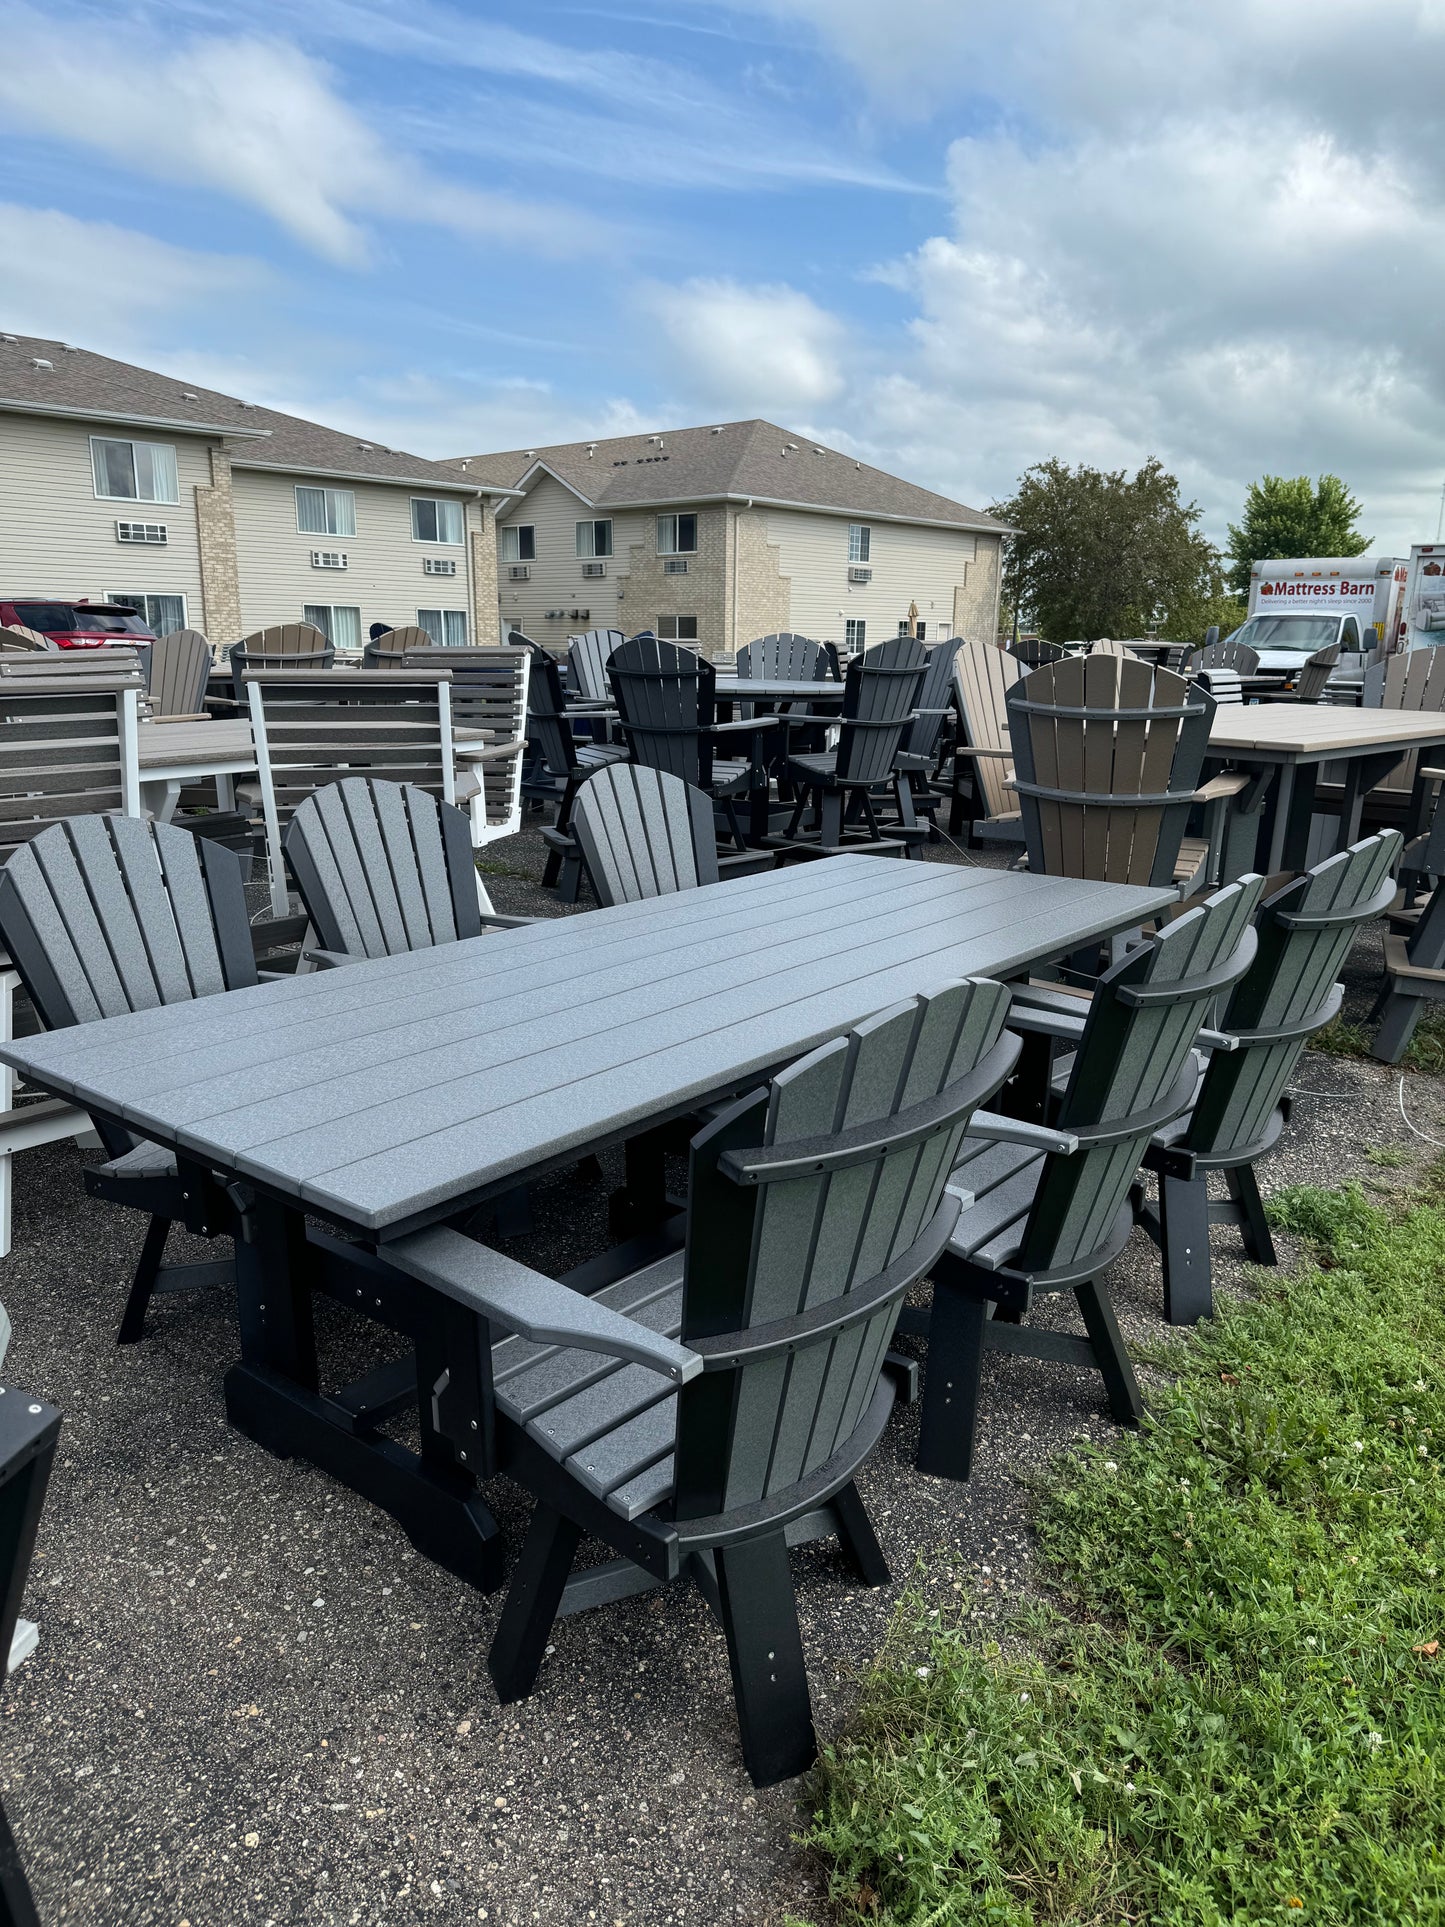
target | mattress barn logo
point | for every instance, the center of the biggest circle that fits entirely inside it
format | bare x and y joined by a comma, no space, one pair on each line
1335,589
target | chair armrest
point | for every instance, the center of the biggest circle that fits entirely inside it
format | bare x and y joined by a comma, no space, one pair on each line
753,864
524,1301
1046,1023
487,752
757,724
1018,1130
1229,784
972,749
331,959
1432,775
511,923
184,716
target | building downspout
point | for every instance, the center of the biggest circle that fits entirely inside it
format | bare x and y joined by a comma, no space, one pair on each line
737,514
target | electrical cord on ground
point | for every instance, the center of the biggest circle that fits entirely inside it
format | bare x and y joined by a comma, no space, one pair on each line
1411,1125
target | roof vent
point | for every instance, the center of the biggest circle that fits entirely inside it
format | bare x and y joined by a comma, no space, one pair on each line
39,361
186,395
530,453
591,450
9,337
820,451
717,431
367,449
67,347
245,404
791,447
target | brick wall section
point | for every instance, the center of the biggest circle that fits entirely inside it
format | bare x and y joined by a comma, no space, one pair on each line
975,599
486,615
648,592
764,594
220,576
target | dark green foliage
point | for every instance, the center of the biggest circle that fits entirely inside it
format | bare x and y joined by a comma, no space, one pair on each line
1291,515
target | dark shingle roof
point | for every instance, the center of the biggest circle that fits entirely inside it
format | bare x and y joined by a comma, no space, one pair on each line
78,382
742,459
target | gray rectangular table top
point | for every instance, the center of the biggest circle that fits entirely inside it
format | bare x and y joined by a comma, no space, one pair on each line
1318,732
383,1094
774,689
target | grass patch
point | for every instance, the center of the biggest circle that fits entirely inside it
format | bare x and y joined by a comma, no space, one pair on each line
1231,1709
1424,1053
1339,1039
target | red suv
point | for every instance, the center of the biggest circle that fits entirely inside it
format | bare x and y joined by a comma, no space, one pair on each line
76,625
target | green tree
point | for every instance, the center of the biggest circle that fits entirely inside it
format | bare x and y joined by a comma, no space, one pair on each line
1102,554
1289,515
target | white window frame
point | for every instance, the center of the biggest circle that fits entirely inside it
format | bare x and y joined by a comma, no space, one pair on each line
855,632
860,541
439,502
331,501
448,619
128,441
588,531
310,610
661,627
920,628
668,533
145,597
512,533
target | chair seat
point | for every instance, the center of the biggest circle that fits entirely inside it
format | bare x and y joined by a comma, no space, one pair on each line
610,1423
730,778
145,1161
599,755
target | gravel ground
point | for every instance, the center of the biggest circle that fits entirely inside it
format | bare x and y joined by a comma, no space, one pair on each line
253,1703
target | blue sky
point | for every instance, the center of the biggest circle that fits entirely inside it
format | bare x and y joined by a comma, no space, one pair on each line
953,236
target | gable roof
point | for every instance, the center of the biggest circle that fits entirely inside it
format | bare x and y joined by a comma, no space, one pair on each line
732,462
95,388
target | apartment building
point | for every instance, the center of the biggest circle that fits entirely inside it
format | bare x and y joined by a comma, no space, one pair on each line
207,511
715,535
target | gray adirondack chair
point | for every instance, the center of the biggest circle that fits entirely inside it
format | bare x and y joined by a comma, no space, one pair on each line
1309,684
1225,685
563,765
1288,993
1053,1215
1033,652
1415,946
388,651
29,1430
286,645
917,759
489,724
180,666
587,658
107,914
1107,646
1227,654
880,695
1410,679
784,657
1108,752
644,833
983,674
703,1413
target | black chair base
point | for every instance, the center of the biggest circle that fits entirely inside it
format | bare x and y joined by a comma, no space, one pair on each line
1179,1226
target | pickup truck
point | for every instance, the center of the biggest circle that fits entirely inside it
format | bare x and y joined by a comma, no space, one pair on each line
1285,639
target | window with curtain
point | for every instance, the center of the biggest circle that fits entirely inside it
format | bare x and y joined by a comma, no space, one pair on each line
446,627
677,535
340,624
134,471
435,520
325,511
160,613
519,542
860,541
594,539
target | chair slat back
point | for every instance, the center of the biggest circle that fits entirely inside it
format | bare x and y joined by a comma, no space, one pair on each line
387,651
880,695
548,726
489,695
643,834
1224,685
1315,673
983,674
383,868
803,1245
1228,654
784,657
179,670
1410,679
1091,734
78,668
1305,931
588,656
312,730
17,639
1132,1056
924,731
664,697
1034,652
1106,646
67,749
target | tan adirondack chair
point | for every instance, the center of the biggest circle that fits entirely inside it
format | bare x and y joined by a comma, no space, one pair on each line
180,667
983,674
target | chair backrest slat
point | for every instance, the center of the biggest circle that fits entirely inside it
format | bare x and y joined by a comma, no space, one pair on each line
67,749
880,694
933,698
783,657
983,674
387,651
1227,654
180,666
643,833
1315,673
664,696
1410,679
588,656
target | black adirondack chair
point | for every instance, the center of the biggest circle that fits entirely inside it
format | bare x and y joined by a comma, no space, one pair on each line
384,868
1055,1219
918,760
706,1412
1035,652
643,833
108,914
880,695
784,657
587,659
666,703
1305,931
29,1429
565,764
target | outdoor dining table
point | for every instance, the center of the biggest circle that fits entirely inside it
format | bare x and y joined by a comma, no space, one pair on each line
1286,744
794,699
174,754
386,1096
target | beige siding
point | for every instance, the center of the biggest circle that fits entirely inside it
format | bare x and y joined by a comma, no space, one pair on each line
909,564
383,576
556,580
57,538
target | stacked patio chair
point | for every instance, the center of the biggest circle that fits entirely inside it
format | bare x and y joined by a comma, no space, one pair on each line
1052,1213
983,675
180,667
1289,992
102,915
703,1412
668,714
489,727
563,764
29,1429
880,695
643,833
587,659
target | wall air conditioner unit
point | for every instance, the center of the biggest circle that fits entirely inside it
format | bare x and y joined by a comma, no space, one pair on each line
155,534
328,558
675,565
594,568
519,572
860,575
438,565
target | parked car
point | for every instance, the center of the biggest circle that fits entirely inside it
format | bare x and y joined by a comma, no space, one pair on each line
75,625
1286,639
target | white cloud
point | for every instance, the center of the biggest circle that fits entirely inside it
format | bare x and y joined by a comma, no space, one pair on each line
759,350
259,121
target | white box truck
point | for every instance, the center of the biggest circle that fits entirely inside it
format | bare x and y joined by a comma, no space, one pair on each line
1302,604
1422,606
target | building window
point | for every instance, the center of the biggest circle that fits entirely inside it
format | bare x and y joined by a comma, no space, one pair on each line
519,543
677,628
920,629
860,541
677,535
855,633
435,521
340,625
594,539
134,471
325,511
446,627
160,613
